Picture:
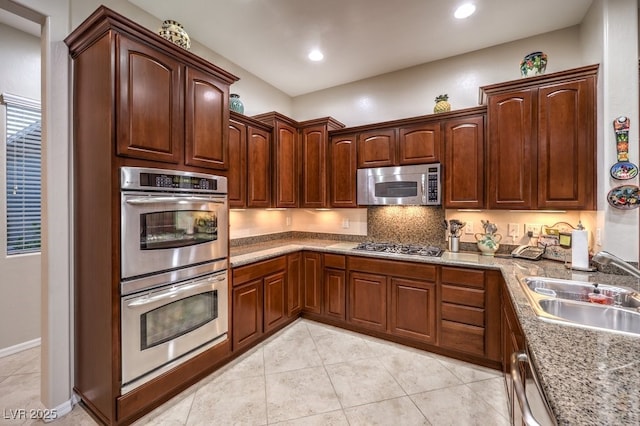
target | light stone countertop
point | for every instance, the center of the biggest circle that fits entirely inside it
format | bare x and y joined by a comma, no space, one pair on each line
589,377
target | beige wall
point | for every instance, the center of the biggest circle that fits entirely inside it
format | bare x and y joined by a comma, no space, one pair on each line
411,92
20,282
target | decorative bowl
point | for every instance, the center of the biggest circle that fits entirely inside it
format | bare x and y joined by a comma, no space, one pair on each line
173,31
534,63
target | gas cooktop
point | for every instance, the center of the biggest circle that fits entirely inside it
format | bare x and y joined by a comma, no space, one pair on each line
414,249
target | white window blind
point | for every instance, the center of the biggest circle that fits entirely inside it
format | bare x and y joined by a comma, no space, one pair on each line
23,173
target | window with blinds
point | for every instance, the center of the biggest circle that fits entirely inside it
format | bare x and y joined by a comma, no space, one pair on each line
23,173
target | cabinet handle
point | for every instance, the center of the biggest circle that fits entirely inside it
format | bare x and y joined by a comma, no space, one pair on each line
518,386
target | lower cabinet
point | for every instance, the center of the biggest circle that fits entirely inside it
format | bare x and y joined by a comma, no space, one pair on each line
368,300
259,300
512,341
469,312
335,285
312,282
294,284
413,307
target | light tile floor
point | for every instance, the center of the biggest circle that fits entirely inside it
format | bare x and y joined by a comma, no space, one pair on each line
307,374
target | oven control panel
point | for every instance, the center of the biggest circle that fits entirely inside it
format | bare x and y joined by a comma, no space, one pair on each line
147,179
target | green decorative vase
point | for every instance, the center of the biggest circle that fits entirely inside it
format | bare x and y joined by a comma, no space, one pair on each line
235,104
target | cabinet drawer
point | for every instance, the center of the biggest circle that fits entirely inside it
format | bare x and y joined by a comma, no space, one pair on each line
467,277
416,270
463,314
462,337
247,273
337,261
463,296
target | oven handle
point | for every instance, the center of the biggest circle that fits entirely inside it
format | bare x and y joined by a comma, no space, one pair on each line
173,292
174,199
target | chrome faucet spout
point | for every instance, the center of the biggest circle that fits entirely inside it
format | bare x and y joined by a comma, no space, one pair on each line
606,258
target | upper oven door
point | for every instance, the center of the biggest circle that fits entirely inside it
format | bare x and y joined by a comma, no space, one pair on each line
161,232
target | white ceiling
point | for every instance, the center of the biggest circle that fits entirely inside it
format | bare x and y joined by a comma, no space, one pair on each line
359,38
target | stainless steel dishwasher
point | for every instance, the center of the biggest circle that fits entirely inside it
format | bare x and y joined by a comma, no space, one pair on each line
534,410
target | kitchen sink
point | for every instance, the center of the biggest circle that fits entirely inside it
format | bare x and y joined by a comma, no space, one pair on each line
593,315
575,303
581,291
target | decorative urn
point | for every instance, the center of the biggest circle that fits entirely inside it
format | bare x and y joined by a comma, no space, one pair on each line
534,63
489,241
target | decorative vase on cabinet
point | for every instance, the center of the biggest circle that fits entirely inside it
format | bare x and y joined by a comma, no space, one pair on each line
235,104
533,64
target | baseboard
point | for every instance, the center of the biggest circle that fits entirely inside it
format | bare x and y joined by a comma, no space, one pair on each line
19,347
62,409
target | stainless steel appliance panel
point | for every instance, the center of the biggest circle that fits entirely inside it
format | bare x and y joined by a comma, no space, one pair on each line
169,323
402,185
161,232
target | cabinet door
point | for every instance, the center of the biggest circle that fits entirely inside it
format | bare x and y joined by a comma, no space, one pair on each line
294,284
512,154
419,144
368,300
150,123
342,171
464,163
335,293
413,309
247,313
566,145
312,270
314,167
286,180
237,175
259,168
275,301
206,121
377,148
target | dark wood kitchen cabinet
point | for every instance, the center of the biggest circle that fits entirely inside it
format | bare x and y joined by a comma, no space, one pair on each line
258,167
312,282
377,148
342,171
167,108
285,159
419,144
314,136
470,312
335,285
542,144
259,300
241,179
138,100
412,311
463,175
368,300
294,284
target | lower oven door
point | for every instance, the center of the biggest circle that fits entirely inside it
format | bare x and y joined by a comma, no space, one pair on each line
162,232
165,326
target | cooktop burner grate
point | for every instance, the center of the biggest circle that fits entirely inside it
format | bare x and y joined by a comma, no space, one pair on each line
413,249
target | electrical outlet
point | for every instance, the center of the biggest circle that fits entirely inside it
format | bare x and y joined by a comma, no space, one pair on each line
534,228
512,230
468,228
598,236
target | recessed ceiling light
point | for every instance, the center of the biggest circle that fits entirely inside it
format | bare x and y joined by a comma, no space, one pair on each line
316,55
465,11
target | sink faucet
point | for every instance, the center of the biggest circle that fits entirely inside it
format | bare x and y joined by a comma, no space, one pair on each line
606,258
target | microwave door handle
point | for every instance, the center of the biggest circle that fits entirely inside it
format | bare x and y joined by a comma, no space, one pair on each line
162,200
169,294
424,193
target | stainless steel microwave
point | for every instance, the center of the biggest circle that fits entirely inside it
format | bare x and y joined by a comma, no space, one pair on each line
417,185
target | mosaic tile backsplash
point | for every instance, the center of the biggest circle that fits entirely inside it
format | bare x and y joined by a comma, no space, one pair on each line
406,224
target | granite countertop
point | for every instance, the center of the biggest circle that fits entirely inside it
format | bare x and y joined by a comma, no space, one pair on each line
589,377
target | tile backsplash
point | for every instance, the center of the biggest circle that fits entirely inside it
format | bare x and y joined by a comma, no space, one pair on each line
406,224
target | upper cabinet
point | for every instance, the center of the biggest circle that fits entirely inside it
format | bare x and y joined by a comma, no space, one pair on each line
464,162
342,171
403,143
285,159
170,105
542,146
314,136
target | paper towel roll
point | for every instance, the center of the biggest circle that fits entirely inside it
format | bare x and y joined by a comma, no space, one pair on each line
580,249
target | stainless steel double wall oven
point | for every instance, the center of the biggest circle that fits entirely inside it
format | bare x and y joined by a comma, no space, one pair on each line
174,269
